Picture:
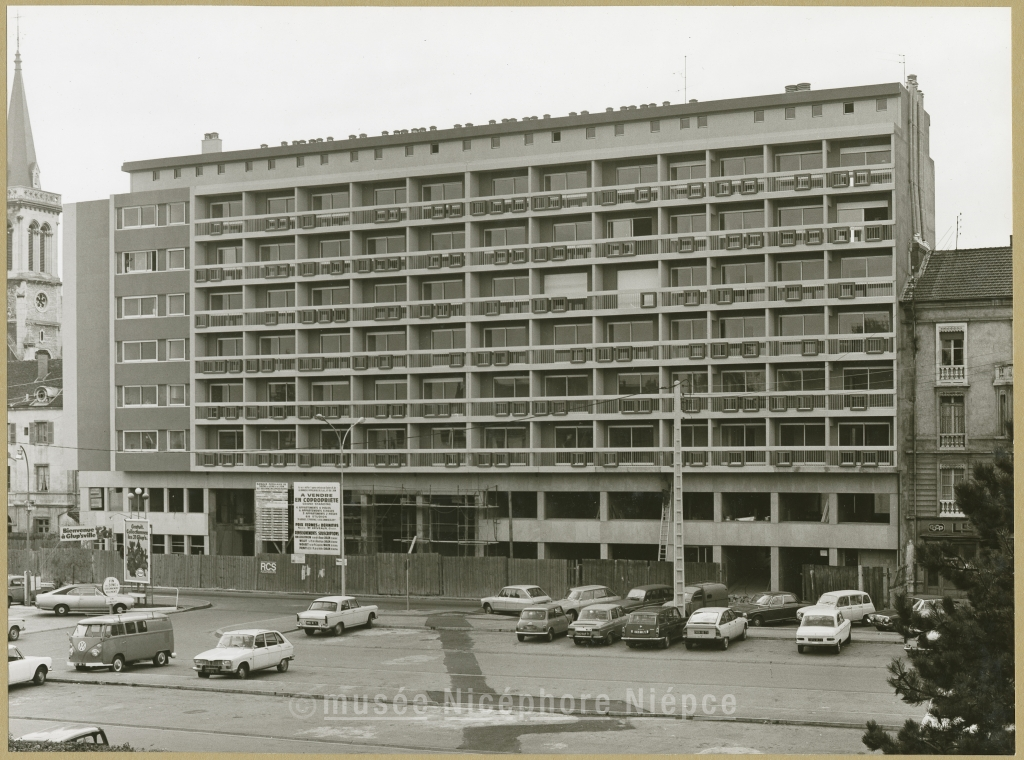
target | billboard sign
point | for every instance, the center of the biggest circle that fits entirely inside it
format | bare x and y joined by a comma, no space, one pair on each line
317,528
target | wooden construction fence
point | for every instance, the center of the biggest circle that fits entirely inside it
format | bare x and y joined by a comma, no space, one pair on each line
876,582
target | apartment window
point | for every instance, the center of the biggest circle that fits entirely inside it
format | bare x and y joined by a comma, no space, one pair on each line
271,163
796,380
138,216
804,269
448,438
139,261
816,110
226,393
139,440
743,436
221,168
333,391
633,383
864,323
176,304
742,381
224,209
277,252
687,171
229,347
176,440
335,343
467,144
864,434
176,350
138,351
300,161
248,166
655,125
158,544
177,544
442,191
225,301
392,244
510,286
949,479
556,137
42,477
409,150
790,112
277,344
386,196
591,133
801,434
41,525
444,388
741,327
12,432
280,393
443,339
505,236
574,437
863,508
389,292
386,438
495,142
632,436
630,332
443,290
385,341
140,395
571,231
510,387
620,130
277,440
684,123
280,299
631,175
228,440
867,378
505,437
741,220
866,266
573,334
564,181
197,544
156,175
335,296
282,205
758,116
323,159
847,108
176,395
951,348
952,428
325,201
199,171
177,173
702,121
739,165
736,274
353,156
567,385
501,337
796,216
528,138
795,162
689,329
390,390
435,148
138,306
447,241
640,227
881,104
378,154
690,382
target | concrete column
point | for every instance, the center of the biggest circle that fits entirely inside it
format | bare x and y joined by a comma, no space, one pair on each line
540,510
540,550
716,554
775,515
365,524
603,514
421,522
833,556
718,506
776,577
832,500
604,551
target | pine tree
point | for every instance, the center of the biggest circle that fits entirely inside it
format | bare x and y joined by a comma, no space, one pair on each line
966,674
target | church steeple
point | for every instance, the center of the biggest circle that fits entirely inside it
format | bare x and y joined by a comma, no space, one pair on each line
22,169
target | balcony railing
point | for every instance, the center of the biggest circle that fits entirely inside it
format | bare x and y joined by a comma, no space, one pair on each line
952,375
1004,375
948,508
952,440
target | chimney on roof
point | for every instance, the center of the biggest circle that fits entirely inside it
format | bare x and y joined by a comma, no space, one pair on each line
42,366
803,86
790,88
211,143
693,100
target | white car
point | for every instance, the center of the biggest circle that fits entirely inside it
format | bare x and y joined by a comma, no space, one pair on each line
241,652
584,596
855,605
22,669
514,599
83,597
335,614
823,626
14,628
718,625
69,735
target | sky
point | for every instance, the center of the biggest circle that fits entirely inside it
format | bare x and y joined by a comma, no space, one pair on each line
109,84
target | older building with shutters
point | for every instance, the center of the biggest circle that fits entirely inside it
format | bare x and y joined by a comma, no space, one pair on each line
958,357
510,308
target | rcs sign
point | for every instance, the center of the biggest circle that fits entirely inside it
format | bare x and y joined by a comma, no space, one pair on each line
269,568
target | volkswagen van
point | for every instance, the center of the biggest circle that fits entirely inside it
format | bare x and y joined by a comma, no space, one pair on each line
116,641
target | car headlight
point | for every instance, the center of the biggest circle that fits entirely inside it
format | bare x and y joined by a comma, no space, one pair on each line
71,651
225,663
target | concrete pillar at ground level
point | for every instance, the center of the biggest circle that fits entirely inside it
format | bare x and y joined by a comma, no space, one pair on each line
421,519
604,551
776,580
775,509
540,508
540,550
718,506
716,554
603,508
832,500
833,556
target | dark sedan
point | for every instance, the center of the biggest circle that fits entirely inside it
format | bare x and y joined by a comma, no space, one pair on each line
774,607
654,626
888,619
647,596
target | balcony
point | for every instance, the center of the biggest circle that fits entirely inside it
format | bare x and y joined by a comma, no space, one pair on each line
948,508
952,440
1003,375
951,375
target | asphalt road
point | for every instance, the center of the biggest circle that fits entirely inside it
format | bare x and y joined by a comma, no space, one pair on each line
445,678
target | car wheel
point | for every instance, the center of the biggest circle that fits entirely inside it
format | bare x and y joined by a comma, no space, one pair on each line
756,622
160,660
551,634
79,666
282,666
117,664
61,609
839,647
864,620
243,671
488,609
338,629
120,609
40,677
369,620
800,648
725,643
689,645
309,631
743,636
521,637
14,633
201,674
577,642
631,644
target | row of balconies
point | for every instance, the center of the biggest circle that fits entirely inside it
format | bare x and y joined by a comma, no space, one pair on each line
605,197
692,405
827,350
760,458
719,296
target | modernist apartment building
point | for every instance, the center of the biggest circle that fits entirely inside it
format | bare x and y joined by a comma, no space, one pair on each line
504,311
958,355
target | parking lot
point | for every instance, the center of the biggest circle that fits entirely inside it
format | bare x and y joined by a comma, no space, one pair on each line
465,675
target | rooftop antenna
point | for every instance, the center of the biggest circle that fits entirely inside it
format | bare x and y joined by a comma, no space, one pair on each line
957,245
903,60
684,80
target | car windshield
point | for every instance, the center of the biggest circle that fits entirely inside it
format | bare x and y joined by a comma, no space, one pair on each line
637,593
828,601
704,618
645,619
535,591
591,614
763,600
242,641
88,629
534,615
576,594
328,606
823,621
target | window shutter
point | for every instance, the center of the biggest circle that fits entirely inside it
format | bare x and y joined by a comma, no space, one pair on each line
187,299
32,437
162,215
120,396
119,263
120,218
161,440
161,350
118,344
186,250
186,348
152,261
49,432
119,307
161,305
161,260
186,212
161,393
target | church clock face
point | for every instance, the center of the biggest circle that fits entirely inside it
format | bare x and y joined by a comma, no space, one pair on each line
41,301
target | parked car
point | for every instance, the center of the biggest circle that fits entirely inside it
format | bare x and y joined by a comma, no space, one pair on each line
16,589
647,596
335,614
22,669
823,627
241,652
69,735
718,625
700,595
83,597
649,626
774,607
116,641
889,618
514,599
584,596
855,605
543,620
598,623
14,628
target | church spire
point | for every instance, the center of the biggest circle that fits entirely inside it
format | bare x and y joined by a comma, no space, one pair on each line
22,169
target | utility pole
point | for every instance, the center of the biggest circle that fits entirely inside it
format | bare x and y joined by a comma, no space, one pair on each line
341,488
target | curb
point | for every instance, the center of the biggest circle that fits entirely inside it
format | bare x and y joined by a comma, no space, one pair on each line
574,712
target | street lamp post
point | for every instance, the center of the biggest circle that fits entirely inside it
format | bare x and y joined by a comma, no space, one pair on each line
341,484
22,454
